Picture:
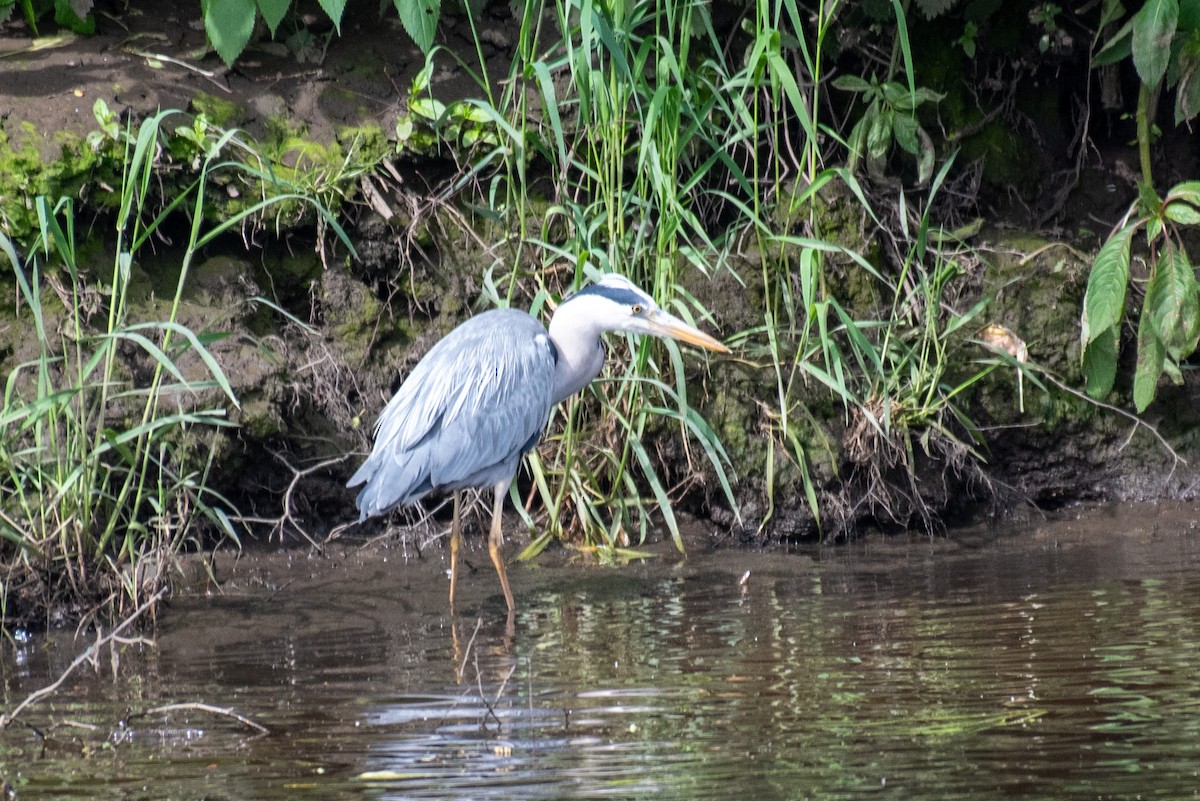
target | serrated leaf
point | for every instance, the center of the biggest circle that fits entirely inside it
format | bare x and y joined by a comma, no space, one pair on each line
273,12
1154,227
75,16
1153,29
1187,92
904,127
335,9
1150,357
229,24
1104,302
1182,213
852,83
896,96
1187,190
1117,48
1173,304
879,135
1100,363
420,20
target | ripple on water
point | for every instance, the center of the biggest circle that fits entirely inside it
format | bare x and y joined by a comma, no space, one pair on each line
1057,663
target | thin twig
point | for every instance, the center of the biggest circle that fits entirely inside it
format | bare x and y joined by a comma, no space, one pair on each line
216,710
89,655
462,668
1137,420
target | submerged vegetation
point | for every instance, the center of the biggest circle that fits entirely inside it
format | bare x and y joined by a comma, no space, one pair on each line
750,166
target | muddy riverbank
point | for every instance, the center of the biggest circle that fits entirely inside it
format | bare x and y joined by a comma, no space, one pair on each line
308,395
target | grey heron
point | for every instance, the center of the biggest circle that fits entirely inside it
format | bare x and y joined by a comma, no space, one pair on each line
481,397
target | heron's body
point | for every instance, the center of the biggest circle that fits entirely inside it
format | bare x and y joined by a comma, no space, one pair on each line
481,397
449,427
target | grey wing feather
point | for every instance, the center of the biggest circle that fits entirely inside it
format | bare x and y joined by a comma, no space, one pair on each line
464,415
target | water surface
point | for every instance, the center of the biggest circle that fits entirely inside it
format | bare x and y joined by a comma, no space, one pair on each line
1058,660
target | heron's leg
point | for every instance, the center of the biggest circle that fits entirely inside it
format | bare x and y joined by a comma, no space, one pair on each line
455,542
497,539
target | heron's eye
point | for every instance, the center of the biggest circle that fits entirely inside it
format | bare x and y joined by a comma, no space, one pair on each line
637,308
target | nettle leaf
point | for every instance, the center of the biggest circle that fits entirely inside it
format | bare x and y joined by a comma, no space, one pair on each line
229,24
1100,362
1187,190
1118,47
273,12
75,15
1182,213
1173,304
1187,92
1153,29
1154,228
879,135
1150,358
904,128
335,9
1104,302
420,20
852,83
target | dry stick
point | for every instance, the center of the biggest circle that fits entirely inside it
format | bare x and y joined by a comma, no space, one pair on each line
1136,420
463,666
491,705
88,655
280,523
216,710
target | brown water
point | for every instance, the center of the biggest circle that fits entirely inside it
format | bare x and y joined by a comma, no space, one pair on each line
1059,661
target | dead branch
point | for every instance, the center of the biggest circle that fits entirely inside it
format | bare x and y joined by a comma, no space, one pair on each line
89,655
200,707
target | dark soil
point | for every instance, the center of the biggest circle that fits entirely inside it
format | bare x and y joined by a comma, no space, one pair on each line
358,77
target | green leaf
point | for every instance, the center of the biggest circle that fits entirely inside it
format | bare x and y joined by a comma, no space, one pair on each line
1150,357
75,16
1104,303
1100,362
1173,304
229,24
879,135
1187,92
1117,48
273,12
1186,190
1153,29
335,9
904,127
852,83
1182,213
420,20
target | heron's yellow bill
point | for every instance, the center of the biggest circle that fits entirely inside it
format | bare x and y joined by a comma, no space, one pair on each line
668,325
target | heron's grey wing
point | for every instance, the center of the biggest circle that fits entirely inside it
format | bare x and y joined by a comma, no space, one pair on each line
466,413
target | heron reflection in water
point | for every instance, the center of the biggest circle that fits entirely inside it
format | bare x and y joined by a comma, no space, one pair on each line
481,397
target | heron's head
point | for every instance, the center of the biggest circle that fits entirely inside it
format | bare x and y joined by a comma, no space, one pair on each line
616,304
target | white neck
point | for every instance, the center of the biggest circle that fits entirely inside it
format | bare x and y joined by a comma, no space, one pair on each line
576,337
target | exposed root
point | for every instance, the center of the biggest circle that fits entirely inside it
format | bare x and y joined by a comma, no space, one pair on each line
899,476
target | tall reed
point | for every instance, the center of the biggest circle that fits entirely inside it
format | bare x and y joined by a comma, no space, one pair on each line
104,464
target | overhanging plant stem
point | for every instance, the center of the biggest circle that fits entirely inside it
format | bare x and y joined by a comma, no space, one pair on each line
1144,104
